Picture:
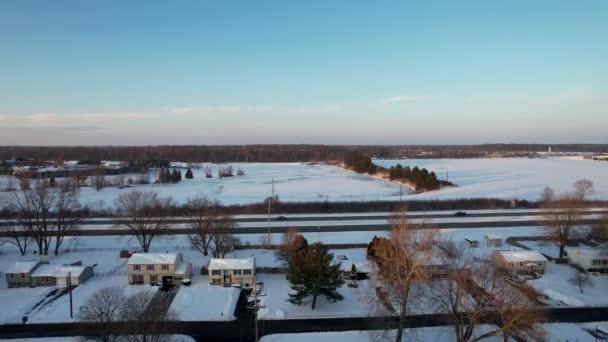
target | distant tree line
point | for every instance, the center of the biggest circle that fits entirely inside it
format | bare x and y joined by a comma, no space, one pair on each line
360,163
420,179
273,153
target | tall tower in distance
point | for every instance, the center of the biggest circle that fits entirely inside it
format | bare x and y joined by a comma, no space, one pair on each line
549,149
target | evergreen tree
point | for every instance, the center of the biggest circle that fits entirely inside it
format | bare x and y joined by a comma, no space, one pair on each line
189,174
52,182
179,173
312,273
174,176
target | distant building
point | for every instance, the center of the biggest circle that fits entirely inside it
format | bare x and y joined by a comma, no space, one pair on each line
519,262
589,259
161,268
471,243
19,274
232,271
493,240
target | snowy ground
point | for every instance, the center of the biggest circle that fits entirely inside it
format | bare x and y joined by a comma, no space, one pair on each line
508,178
554,332
554,284
203,302
173,338
294,182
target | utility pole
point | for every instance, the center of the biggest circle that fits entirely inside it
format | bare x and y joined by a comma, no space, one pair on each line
70,290
269,213
400,191
256,307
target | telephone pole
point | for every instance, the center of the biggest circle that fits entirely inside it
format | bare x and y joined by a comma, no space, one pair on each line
70,290
269,213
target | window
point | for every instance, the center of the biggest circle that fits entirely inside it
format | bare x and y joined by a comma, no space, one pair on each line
136,267
521,264
150,267
153,278
596,262
165,267
604,262
22,275
215,272
138,277
247,272
237,272
215,281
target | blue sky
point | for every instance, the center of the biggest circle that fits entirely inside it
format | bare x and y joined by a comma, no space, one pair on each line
335,72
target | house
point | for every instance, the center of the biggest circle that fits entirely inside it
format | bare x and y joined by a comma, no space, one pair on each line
519,262
162,268
493,240
589,259
471,243
57,275
19,274
363,270
232,271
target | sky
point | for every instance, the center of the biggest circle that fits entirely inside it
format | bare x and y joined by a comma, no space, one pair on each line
116,72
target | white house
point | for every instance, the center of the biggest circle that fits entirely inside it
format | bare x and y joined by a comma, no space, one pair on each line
232,271
19,274
520,262
158,268
589,259
57,275
493,240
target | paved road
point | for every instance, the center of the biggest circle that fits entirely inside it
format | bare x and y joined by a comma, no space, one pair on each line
308,228
242,330
335,217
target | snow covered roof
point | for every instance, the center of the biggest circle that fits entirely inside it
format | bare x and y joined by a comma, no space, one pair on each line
522,256
493,237
58,271
22,267
232,264
152,258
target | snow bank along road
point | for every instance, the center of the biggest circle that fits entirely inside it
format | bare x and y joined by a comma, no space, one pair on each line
242,330
343,223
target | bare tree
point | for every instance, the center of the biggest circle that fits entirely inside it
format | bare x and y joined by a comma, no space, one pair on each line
67,211
580,278
202,217
564,212
104,307
402,261
147,313
547,195
99,180
144,213
14,236
475,293
599,231
32,210
223,239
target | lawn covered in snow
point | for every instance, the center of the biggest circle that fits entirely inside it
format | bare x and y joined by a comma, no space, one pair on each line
508,178
554,284
204,302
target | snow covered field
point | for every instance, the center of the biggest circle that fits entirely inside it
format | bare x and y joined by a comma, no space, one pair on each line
294,182
507,178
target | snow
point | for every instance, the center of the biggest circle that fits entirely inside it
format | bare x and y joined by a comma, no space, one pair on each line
231,264
356,302
204,302
567,332
522,256
475,178
417,334
152,258
173,338
554,284
22,267
17,302
507,178
47,270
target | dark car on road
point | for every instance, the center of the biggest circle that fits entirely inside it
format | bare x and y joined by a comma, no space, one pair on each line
460,214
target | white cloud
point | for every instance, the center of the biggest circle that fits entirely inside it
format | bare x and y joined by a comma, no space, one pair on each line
405,98
206,109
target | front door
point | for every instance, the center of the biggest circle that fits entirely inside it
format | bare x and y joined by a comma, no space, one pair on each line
227,279
167,280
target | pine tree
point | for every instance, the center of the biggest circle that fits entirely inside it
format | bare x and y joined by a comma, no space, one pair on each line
174,176
189,174
312,273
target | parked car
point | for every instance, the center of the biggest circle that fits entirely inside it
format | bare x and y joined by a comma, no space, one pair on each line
460,213
280,218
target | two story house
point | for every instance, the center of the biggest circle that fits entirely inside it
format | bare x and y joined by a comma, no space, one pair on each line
232,271
158,268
